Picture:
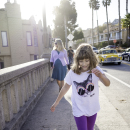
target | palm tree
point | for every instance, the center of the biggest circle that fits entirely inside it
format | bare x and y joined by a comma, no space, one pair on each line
127,27
96,7
91,6
94,4
126,6
126,22
105,4
119,23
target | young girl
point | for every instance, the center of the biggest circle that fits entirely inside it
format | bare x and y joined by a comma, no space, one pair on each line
59,60
83,77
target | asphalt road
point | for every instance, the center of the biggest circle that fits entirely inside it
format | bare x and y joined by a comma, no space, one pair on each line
119,91
122,72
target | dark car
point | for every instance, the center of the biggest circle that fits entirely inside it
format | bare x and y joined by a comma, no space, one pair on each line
126,54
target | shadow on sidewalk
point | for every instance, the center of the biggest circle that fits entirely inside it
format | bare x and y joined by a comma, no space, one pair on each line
41,118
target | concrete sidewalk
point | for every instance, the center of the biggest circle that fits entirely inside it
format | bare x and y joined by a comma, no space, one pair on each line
42,118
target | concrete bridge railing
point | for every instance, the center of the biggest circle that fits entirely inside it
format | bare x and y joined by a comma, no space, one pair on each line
20,88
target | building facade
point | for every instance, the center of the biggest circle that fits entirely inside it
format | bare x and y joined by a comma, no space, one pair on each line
20,40
113,34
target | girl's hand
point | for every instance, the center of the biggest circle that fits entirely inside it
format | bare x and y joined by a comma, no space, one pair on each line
53,106
52,68
97,72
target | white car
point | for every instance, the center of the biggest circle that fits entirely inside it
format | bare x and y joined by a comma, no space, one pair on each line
95,50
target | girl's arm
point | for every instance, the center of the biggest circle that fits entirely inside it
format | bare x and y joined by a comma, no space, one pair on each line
61,94
101,76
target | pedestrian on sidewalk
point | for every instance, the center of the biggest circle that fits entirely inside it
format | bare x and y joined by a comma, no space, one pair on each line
70,56
83,77
59,60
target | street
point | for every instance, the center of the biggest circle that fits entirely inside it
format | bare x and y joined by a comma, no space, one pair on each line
119,91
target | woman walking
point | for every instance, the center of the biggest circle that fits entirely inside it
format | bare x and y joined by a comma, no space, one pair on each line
59,60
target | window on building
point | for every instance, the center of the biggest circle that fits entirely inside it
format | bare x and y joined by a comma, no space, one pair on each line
29,38
4,39
35,57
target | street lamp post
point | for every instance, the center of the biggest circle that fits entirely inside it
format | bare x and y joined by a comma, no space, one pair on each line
65,32
44,27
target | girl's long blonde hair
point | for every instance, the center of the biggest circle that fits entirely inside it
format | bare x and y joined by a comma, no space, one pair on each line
84,51
60,46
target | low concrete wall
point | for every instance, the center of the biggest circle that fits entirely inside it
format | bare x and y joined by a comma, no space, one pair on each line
21,86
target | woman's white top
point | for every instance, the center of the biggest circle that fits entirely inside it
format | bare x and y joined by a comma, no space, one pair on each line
85,92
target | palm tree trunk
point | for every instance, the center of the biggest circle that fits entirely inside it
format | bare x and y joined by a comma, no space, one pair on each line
107,24
127,26
97,28
92,26
129,36
126,6
119,23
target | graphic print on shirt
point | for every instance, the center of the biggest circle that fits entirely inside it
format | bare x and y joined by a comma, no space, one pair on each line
86,87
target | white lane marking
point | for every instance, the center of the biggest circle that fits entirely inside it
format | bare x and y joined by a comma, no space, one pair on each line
126,64
118,80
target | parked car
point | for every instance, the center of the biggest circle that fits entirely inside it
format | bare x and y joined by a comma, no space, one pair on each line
109,56
95,50
126,54
102,48
110,46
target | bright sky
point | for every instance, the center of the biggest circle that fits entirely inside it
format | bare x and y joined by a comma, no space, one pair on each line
84,18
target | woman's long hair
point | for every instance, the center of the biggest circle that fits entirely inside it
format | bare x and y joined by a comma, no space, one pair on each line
84,51
60,46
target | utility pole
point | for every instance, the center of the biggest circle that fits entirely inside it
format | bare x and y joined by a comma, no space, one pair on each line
44,27
119,23
65,32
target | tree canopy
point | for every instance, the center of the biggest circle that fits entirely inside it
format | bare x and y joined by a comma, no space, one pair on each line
106,2
65,9
126,20
78,34
101,28
94,4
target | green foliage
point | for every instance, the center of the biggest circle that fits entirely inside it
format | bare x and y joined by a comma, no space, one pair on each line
78,42
94,4
65,9
101,28
126,20
78,34
104,44
124,45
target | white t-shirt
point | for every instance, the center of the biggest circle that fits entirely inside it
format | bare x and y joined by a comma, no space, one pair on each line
85,92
